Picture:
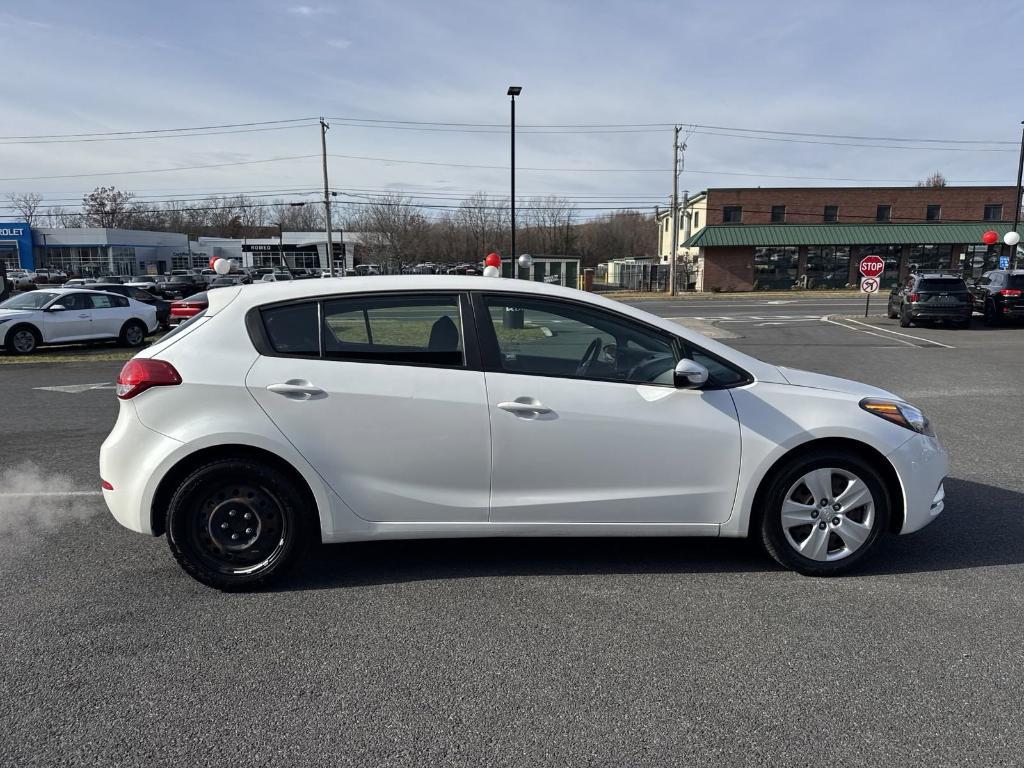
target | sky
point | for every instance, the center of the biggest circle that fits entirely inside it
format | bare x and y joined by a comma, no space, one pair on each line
917,70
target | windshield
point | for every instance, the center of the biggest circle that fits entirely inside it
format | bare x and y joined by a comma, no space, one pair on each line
30,300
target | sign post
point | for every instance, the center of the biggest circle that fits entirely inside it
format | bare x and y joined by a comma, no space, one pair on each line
871,267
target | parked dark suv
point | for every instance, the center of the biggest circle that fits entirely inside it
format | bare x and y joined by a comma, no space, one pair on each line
999,295
931,297
163,308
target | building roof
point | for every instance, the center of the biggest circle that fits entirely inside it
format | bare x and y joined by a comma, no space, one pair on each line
732,235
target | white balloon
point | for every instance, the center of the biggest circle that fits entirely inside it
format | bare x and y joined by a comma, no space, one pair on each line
1011,238
526,261
491,271
222,266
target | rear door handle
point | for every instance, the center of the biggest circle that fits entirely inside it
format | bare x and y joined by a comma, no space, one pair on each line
297,389
524,406
83,317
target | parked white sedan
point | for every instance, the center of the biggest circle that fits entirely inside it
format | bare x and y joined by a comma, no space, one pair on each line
401,407
67,315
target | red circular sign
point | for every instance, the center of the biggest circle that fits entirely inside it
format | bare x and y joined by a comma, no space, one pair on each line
872,266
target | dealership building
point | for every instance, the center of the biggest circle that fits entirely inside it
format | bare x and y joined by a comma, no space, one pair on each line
94,251
746,239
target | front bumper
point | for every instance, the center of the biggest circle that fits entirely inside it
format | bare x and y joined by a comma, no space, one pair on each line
921,464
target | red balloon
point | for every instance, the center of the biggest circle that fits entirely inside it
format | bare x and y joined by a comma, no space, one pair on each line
492,260
990,237
213,259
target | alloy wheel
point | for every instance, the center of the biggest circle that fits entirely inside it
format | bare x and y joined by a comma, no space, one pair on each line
133,335
828,514
23,341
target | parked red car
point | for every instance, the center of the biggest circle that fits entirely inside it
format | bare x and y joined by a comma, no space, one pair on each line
183,309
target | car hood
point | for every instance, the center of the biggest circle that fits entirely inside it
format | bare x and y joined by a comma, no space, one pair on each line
799,378
10,314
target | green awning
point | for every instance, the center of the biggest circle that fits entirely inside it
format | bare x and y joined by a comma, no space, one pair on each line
958,233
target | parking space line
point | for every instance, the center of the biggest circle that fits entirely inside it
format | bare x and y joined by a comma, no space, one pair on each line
898,333
825,319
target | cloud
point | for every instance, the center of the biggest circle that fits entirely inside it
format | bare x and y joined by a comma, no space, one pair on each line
309,10
339,43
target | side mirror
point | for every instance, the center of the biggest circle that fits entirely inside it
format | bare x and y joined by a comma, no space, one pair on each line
689,374
56,308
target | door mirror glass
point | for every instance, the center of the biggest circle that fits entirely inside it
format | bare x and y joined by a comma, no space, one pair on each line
57,308
689,374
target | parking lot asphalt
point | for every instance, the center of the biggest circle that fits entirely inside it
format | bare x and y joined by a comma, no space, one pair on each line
530,652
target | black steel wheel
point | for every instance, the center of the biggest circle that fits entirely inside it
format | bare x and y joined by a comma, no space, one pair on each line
991,316
237,524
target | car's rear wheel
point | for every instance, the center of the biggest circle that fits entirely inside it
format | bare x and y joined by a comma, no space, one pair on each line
824,512
991,316
905,321
22,340
237,524
133,334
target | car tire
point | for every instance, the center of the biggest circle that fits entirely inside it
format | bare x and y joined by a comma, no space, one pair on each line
213,540
905,321
849,534
990,317
22,340
892,313
133,334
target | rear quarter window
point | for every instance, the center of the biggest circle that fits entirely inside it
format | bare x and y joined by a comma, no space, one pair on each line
293,329
1015,281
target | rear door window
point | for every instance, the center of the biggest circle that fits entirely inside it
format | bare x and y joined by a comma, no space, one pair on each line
409,330
1015,281
292,329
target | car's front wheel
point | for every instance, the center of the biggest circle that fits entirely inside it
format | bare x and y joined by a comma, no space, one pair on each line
824,512
237,524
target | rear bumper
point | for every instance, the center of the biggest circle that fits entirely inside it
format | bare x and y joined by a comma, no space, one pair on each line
130,458
921,464
940,313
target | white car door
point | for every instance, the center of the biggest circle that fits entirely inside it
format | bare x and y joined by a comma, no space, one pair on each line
394,415
109,313
71,323
587,425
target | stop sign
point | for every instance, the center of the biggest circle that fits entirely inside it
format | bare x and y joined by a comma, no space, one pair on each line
872,266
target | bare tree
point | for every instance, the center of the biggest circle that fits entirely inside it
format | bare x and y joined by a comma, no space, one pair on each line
393,231
935,180
107,207
27,205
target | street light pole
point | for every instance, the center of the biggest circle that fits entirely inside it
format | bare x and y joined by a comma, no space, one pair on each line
327,199
513,91
1016,208
280,242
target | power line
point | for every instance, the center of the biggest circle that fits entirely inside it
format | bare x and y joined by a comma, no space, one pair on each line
156,170
158,130
153,137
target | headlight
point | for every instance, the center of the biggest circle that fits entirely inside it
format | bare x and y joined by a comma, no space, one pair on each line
903,414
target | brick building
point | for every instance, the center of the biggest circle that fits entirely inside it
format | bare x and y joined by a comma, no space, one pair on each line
778,238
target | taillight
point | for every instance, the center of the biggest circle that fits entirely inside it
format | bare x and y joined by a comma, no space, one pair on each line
914,297
1013,293
140,374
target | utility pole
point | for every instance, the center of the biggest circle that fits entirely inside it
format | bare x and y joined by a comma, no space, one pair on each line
686,230
327,200
675,211
1016,208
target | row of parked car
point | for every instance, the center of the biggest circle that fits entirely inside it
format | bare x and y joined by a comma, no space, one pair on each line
998,296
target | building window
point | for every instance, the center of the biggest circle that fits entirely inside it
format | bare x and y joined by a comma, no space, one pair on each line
883,213
933,213
831,213
667,220
828,266
778,214
732,214
890,254
994,212
775,268
696,219
930,258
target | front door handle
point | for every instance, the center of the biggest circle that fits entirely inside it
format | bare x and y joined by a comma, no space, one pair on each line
83,317
525,406
297,389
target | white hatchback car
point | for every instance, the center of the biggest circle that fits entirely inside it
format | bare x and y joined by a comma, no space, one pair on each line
413,407
67,315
